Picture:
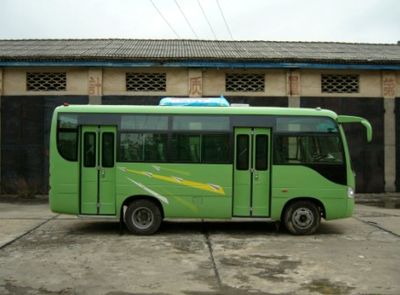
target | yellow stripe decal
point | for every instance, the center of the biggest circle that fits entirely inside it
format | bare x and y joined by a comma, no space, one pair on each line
214,188
158,169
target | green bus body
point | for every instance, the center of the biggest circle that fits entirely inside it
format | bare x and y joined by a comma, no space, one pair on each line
224,163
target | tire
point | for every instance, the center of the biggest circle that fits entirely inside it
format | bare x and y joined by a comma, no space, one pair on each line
302,218
143,217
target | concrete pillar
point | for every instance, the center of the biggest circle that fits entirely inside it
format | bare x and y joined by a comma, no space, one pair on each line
195,83
95,85
389,93
293,88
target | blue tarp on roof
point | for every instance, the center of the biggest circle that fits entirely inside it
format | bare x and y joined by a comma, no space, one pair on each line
195,102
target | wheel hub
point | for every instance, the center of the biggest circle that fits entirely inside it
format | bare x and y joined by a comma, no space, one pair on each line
303,218
142,218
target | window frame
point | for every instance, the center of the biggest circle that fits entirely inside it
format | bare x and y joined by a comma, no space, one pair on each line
356,75
85,137
248,142
62,155
297,117
102,149
257,154
229,159
67,130
128,73
305,134
258,120
61,73
169,156
263,75
118,141
167,117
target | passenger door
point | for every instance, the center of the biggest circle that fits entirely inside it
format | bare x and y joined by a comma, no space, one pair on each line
97,164
251,197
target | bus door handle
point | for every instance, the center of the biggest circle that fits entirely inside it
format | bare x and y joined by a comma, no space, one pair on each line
255,175
102,172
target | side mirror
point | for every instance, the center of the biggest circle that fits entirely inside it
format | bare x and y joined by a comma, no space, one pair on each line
353,119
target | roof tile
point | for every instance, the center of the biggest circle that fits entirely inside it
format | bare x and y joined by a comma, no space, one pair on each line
172,50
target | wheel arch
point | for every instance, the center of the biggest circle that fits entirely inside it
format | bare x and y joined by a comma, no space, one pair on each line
134,198
317,202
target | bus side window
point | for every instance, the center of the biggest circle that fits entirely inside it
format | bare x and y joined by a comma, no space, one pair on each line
89,149
155,147
107,158
186,148
261,152
143,147
67,142
215,148
242,153
307,149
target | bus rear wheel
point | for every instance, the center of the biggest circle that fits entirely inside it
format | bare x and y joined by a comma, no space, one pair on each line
302,218
143,217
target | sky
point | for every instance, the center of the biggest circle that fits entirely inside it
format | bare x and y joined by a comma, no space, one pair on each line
367,21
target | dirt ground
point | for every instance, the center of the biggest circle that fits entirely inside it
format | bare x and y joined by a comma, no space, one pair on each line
45,253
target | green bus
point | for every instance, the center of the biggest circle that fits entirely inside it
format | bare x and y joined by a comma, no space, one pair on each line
144,164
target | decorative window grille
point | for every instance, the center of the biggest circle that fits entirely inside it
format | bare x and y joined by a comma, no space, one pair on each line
146,81
245,82
340,83
46,81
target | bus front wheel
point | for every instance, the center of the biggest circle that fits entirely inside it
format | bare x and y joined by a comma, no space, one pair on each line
302,218
143,217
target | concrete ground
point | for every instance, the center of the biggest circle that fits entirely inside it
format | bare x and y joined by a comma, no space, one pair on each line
44,253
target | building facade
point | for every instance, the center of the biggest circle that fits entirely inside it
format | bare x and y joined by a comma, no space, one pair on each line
356,79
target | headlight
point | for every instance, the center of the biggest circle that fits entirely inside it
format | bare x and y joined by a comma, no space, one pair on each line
350,193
